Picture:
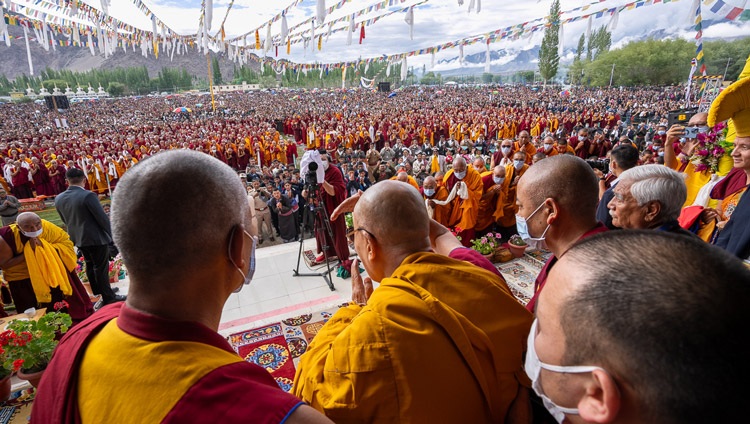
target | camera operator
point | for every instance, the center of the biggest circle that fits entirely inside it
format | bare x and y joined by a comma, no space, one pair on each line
332,190
681,163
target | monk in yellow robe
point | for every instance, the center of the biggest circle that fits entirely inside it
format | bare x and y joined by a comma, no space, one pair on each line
513,173
694,179
494,191
464,211
402,176
39,262
434,194
440,340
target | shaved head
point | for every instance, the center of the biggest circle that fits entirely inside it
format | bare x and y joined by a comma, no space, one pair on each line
459,164
403,177
29,222
498,171
567,179
429,182
161,230
388,199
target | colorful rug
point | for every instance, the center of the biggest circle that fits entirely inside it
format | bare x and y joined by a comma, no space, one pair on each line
520,275
277,347
17,409
309,257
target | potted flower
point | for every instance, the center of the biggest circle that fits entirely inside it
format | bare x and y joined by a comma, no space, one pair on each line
28,344
486,245
115,268
5,374
517,246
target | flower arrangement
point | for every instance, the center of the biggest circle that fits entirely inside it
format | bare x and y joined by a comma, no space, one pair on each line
80,271
349,220
516,240
28,345
486,244
710,147
455,232
115,267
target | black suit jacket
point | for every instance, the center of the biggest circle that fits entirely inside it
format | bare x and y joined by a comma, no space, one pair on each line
80,210
602,213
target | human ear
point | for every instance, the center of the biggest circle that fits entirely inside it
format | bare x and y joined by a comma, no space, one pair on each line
601,401
236,242
653,209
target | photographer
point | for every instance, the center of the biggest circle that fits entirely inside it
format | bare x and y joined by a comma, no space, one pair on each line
679,161
332,191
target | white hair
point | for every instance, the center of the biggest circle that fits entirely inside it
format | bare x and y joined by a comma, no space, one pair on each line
657,183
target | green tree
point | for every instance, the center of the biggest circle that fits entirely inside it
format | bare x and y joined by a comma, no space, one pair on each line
116,89
548,53
486,78
52,83
216,71
581,46
430,79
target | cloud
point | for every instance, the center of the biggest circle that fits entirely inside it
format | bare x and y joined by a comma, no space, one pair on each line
436,22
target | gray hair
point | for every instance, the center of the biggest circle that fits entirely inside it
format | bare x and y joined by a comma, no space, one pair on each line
658,183
174,211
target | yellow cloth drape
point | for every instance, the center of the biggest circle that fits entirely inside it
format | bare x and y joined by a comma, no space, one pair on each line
47,266
434,165
46,270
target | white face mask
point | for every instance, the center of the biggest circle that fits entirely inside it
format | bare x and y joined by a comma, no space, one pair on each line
429,192
518,164
535,243
460,175
505,150
547,146
533,368
34,234
498,180
325,165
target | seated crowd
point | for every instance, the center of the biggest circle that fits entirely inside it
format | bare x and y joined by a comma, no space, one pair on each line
627,322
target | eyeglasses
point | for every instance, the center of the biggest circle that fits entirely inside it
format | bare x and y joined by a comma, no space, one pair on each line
350,234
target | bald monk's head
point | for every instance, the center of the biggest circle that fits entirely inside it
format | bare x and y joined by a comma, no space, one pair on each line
567,179
167,241
478,164
403,177
29,222
429,183
459,164
498,171
381,241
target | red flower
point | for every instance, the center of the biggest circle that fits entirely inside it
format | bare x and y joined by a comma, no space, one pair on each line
17,364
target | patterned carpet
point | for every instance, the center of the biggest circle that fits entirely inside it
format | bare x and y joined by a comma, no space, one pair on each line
278,346
17,409
521,273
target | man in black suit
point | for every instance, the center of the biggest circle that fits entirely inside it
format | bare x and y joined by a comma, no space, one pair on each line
89,229
621,158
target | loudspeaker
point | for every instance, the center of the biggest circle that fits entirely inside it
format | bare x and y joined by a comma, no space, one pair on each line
384,87
61,101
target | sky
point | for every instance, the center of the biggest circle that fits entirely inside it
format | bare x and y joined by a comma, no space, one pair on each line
436,22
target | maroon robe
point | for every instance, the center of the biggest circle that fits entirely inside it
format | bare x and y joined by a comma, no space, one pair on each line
340,246
21,184
239,390
541,279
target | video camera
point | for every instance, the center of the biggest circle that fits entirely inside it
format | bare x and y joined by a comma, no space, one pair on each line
681,116
311,180
600,164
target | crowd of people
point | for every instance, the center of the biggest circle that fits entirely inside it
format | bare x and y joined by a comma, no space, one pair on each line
598,177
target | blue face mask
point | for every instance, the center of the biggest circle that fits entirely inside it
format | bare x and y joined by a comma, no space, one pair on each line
498,180
429,192
518,164
246,278
460,175
535,243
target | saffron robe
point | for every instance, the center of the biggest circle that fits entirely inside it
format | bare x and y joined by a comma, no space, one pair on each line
440,340
463,213
106,365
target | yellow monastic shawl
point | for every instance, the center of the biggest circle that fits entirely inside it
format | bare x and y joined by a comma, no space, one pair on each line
439,341
48,265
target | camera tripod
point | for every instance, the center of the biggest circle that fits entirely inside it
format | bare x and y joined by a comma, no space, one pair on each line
321,227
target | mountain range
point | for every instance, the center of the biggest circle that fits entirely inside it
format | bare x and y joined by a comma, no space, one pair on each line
503,61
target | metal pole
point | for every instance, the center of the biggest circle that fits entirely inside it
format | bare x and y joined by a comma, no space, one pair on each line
612,75
211,83
727,68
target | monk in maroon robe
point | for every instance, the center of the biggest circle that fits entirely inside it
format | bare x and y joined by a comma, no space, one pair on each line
337,246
